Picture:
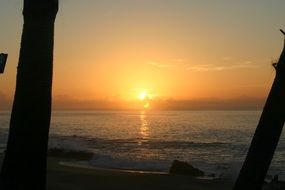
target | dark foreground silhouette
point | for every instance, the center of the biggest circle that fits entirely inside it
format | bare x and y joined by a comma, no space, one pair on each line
24,164
267,133
3,59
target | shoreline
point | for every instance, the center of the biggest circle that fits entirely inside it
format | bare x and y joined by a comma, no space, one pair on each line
72,177
84,166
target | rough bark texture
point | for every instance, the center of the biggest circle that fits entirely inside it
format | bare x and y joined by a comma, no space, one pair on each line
24,165
267,134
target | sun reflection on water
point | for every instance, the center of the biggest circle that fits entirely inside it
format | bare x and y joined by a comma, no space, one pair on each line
144,128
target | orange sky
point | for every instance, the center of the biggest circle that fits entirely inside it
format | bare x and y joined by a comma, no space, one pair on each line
188,53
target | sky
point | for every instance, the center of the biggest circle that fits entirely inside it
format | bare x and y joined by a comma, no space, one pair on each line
177,54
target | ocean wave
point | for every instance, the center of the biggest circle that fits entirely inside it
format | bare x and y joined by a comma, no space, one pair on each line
112,162
122,154
69,154
106,154
76,142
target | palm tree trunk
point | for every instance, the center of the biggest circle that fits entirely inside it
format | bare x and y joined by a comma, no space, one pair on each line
24,165
267,134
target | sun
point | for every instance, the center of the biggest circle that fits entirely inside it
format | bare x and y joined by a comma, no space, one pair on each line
143,96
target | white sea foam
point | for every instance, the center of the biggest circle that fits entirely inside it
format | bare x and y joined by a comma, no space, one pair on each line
107,161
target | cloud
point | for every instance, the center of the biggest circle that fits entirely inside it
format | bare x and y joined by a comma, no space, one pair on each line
237,103
168,64
226,63
222,67
158,103
160,65
67,102
203,68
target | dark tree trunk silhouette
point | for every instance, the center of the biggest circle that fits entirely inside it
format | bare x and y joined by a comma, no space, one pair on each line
267,134
24,164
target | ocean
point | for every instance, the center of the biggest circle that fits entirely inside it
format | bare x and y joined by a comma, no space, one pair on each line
213,141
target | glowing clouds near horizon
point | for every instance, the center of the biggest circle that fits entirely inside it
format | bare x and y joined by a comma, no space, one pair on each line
144,97
146,105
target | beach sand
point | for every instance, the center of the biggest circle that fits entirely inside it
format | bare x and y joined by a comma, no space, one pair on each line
65,177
